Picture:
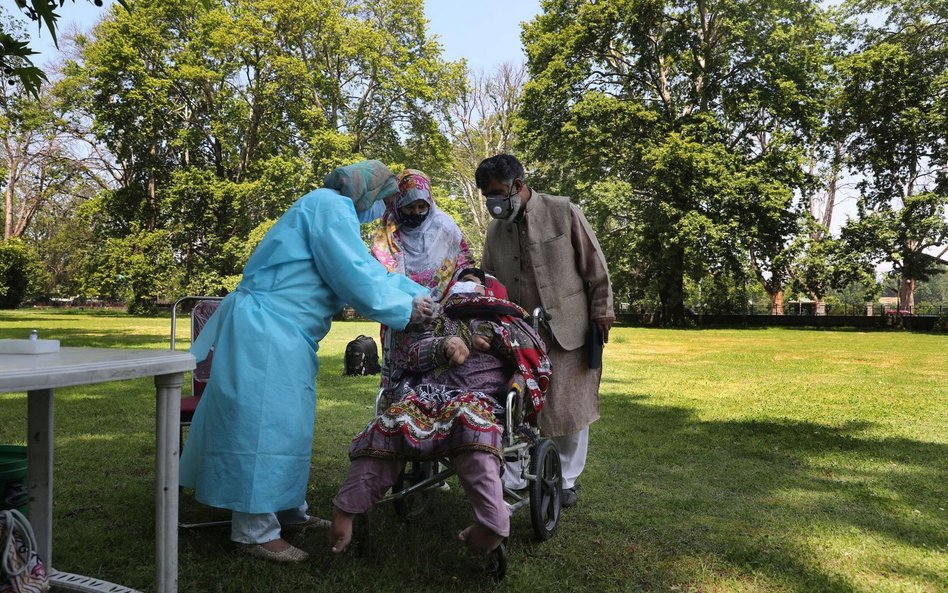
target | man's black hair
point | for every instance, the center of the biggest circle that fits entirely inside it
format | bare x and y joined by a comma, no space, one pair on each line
502,167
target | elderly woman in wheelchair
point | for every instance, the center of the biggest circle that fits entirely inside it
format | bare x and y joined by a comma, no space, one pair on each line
447,409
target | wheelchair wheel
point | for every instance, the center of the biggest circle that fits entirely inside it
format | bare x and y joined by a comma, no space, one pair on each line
546,490
497,562
414,505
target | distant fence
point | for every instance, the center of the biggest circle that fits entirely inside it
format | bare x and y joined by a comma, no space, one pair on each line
921,317
765,319
72,303
802,313
809,309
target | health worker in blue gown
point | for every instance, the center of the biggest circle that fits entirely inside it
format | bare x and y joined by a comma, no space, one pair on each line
251,439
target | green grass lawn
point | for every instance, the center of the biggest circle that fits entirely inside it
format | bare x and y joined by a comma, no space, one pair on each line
725,460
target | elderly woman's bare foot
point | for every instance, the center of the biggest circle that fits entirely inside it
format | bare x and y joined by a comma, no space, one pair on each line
480,538
340,532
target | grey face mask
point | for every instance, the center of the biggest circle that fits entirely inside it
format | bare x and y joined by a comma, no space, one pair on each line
504,207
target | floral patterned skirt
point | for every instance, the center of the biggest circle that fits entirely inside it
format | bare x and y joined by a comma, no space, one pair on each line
432,421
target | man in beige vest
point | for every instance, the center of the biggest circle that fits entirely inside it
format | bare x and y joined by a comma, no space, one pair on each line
543,249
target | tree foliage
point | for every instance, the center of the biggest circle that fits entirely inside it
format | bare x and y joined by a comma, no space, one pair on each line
706,140
215,116
21,273
700,108
896,92
15,53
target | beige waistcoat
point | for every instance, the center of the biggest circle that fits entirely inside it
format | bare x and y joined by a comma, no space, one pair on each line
557,266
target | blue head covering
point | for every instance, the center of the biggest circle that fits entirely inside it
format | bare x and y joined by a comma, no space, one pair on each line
364,183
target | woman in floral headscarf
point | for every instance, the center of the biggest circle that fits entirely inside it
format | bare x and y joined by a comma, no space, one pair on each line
420,241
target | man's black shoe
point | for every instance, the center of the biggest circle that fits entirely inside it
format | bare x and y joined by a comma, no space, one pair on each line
569,497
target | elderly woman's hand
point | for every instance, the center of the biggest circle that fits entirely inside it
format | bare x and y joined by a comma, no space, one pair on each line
482,335
455,350
480,343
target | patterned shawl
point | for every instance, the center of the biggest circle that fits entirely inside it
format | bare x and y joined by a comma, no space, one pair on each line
430,253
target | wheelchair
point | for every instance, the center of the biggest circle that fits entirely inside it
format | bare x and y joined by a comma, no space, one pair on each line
534,458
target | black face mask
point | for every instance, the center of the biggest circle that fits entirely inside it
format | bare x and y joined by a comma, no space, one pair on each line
413,220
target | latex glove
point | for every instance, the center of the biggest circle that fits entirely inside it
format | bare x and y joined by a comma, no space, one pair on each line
422,309
604,323
455,350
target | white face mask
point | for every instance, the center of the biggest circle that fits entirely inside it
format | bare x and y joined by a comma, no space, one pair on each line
464,288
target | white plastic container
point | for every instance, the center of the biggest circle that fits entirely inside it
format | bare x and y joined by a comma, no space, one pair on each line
30,346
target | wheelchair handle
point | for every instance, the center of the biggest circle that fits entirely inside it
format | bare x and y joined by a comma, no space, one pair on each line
539,315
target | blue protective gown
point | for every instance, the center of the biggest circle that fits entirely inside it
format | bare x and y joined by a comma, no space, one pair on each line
251,438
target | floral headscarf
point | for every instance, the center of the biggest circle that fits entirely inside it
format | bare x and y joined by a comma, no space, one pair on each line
430,253
363,182
413,185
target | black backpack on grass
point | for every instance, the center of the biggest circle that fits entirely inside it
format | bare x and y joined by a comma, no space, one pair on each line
362,357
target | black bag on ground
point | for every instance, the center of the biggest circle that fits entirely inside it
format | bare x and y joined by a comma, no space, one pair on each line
362,357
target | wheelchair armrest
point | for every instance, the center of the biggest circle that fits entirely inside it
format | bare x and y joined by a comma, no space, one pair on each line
511,403
388,391
514,405
378,400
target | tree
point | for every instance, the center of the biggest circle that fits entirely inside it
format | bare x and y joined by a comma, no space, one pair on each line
935,291
819,264
900,237
20,273
211,118
699,110
480,124
36,163
896,86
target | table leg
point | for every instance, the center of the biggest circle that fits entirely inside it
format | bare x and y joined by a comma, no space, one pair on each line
39,459
168,417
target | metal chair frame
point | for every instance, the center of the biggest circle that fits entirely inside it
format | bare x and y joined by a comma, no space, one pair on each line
174,326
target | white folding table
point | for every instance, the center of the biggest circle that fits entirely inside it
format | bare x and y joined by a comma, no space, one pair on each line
39,375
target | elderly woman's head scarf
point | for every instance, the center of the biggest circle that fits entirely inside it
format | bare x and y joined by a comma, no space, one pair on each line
364,183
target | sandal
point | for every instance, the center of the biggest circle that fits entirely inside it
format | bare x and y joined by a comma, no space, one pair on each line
311,521
287,556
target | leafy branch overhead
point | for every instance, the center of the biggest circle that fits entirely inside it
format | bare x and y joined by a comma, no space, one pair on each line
15,54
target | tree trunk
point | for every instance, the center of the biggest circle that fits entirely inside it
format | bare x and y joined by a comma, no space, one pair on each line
907,295
13,178
671,291
153,189
776,301
8,220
